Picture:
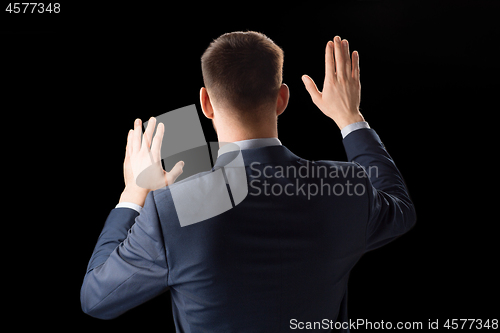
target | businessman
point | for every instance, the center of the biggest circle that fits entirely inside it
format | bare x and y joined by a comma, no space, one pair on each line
279,260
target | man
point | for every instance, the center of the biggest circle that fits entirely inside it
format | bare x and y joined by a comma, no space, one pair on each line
280,259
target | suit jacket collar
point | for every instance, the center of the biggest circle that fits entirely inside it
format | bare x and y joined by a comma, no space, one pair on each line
276,154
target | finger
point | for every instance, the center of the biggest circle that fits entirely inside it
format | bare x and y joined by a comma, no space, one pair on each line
157,141
146,147
148,134
329,61
311,88
136,139
339,57
128,148
347,58
174,173
355,65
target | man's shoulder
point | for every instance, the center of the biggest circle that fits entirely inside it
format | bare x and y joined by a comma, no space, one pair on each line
162,194
196,198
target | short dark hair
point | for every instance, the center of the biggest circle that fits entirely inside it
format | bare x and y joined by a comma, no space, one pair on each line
243,70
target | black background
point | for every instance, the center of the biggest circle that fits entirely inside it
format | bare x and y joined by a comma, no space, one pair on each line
74,82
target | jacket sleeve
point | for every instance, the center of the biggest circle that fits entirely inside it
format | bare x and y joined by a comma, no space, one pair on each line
128,266
391,211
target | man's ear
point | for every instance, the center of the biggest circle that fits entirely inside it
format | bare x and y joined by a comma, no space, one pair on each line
206,104
282,102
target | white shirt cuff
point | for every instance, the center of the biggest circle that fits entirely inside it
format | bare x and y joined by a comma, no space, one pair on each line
130,205
353,127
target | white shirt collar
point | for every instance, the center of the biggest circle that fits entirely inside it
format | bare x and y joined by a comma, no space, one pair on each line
249,144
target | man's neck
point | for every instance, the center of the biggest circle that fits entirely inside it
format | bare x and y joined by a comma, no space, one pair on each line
238,133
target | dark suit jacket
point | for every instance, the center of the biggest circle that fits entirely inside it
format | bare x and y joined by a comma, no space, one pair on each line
268,261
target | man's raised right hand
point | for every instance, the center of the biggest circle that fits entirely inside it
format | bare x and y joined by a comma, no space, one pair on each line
341,93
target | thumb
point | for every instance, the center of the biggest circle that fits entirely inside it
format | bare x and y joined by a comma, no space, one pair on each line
311,88
174,173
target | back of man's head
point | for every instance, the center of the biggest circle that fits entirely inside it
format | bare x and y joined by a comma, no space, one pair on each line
242,72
